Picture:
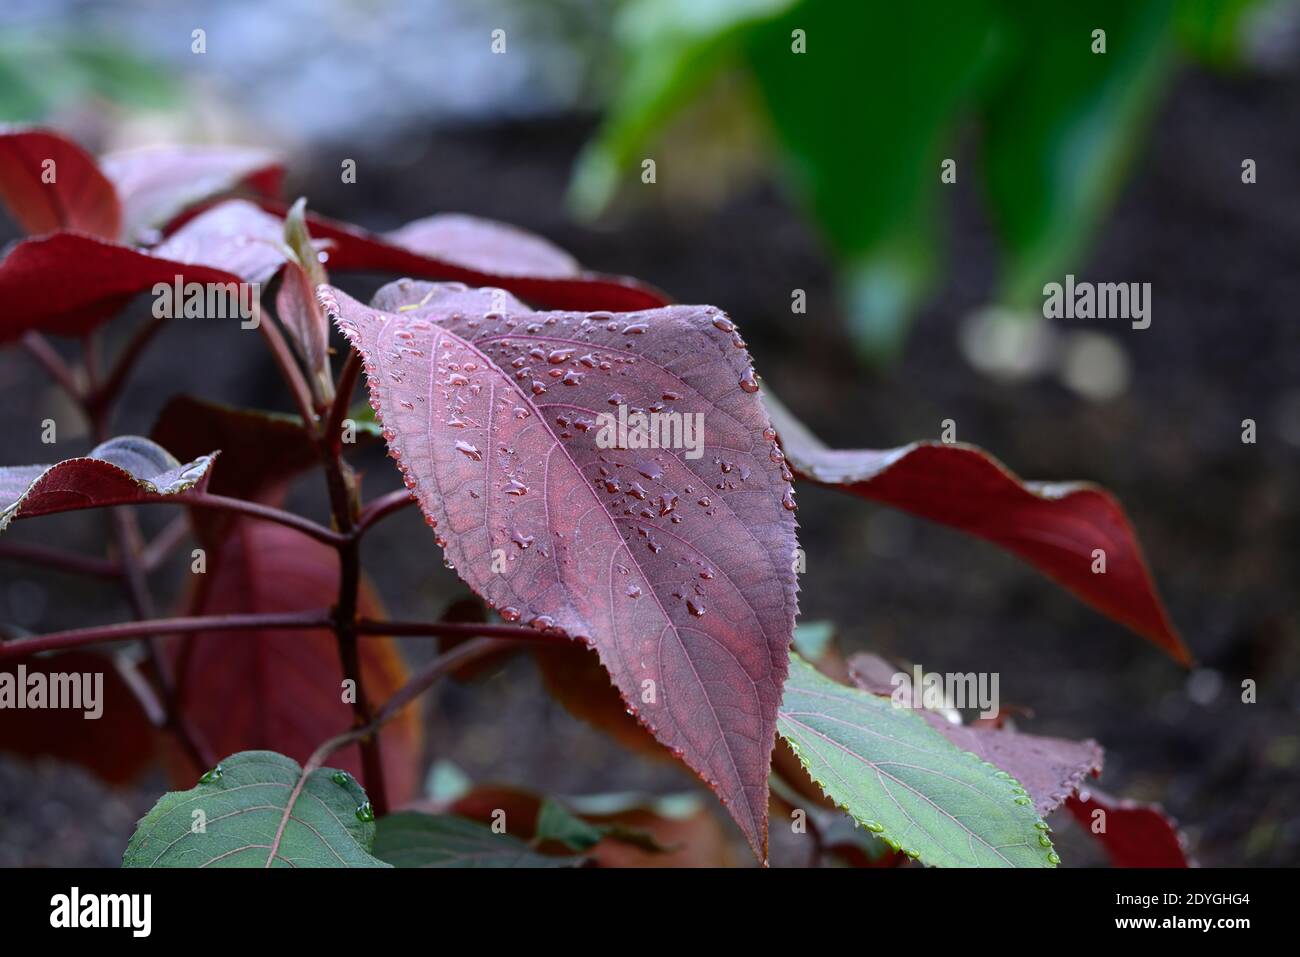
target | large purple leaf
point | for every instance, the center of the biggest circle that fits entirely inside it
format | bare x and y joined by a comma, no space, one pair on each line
155,183
676,570
69,283
50,183
1056,527
123,470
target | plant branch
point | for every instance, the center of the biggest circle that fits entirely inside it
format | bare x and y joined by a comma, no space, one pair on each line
252,510
383,506
332,430
456,629
289,371
103,395
77,637
343,505
415,686
161,545
53,363
71,562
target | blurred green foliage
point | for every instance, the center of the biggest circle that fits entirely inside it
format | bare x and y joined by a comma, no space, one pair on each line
885,92
41,74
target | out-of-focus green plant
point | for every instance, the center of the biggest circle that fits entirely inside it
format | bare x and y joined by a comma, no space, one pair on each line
39,75
865,118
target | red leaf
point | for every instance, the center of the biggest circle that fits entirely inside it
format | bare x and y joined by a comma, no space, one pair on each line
281,690
156,183
299,313
259,450
80,197
116,746
479,252
1050,769
1135,835
676,570
1054,527
68,284
487,246
120,471
260,453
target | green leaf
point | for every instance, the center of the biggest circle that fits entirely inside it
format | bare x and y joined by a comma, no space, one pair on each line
410,839
556,823
671,50
865,129
812,639
905,782
1062,124
1214,31
255,807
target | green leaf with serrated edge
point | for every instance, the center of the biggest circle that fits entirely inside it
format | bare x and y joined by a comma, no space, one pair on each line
257,808
410,839
902,780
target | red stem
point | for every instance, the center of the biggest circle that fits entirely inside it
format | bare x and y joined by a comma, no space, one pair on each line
161,545
332,431
418,683
77,637
252,510
343,504
103,395
52,362
91,565
289,370
455,629
383,506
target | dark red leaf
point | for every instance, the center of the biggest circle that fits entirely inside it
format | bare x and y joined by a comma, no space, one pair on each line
116,746
79,198
1050,769
156,183
479,252
282,690
260,453
1053,526
299,313
68,284
259,450
677,571
1134,834
120,471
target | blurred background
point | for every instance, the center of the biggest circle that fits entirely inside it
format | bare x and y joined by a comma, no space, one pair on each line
778,171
